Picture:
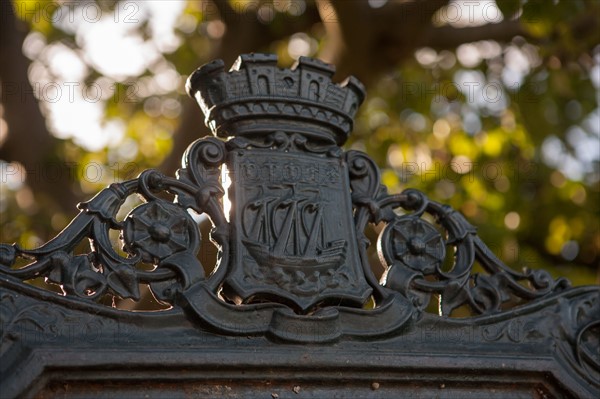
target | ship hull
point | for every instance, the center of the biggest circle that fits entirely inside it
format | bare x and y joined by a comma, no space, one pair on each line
331,257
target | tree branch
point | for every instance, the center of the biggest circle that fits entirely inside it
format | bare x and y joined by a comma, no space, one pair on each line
447,37
421,10
368,41
226,12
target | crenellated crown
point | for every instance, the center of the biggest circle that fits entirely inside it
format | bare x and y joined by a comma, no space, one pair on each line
257,97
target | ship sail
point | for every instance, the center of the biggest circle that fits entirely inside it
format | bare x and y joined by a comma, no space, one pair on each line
289,233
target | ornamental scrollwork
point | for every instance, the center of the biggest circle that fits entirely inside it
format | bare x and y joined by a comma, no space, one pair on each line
158,232
289,227
414,253
30,319
286,142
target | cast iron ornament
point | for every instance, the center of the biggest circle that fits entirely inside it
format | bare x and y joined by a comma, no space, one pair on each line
292,262
157,230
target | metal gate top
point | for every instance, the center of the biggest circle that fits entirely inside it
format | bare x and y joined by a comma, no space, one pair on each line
292,308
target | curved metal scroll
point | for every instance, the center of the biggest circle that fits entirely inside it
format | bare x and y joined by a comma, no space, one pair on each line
159,232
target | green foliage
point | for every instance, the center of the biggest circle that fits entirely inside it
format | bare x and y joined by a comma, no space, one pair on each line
532,211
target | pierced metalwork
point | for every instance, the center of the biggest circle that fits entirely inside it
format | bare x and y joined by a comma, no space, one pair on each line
413,249
293,262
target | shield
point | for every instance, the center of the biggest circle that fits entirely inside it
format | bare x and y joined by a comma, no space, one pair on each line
293,236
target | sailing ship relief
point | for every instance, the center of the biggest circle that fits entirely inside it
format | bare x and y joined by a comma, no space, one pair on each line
295,237
288,232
